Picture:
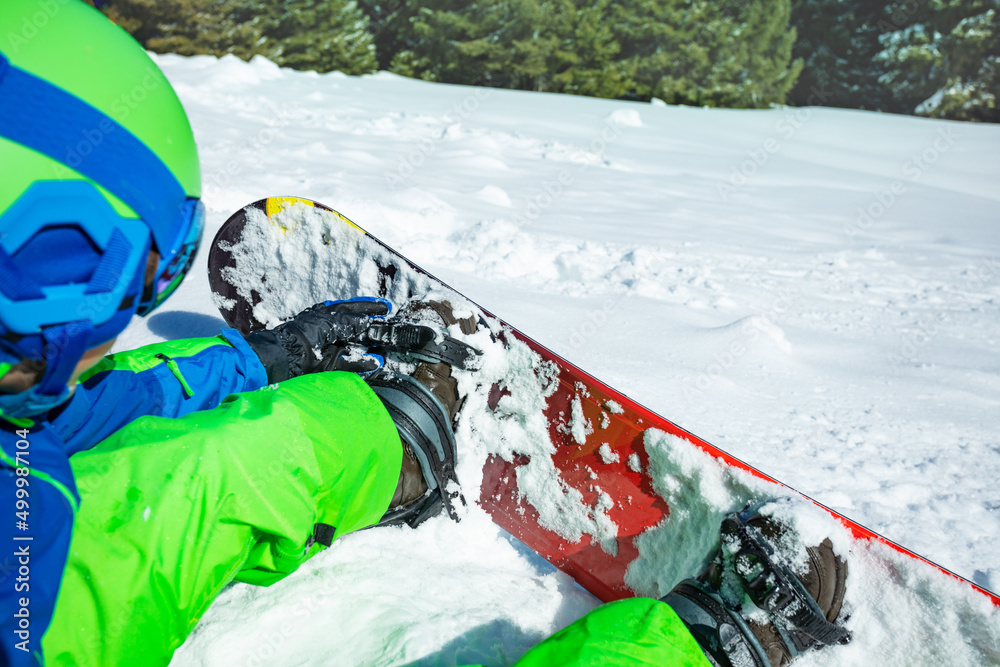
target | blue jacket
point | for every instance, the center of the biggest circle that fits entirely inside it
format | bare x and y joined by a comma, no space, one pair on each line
38,495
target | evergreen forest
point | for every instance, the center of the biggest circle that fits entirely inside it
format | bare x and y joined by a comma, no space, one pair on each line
936,58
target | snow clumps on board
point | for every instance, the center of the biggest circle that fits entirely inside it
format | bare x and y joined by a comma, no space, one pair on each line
303,255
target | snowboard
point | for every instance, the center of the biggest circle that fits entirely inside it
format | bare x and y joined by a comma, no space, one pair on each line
618,497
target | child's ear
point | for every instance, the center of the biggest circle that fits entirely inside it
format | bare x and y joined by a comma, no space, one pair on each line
22,376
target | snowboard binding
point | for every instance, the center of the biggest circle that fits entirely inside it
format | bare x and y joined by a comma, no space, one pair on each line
425,430
424,406
801,609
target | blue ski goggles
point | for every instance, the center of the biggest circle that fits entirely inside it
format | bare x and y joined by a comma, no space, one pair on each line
53,218
46,118
52,310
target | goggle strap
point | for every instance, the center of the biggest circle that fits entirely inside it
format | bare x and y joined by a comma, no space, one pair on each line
65,345
112,265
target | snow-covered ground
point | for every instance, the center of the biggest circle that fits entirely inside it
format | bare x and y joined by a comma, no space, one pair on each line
815,291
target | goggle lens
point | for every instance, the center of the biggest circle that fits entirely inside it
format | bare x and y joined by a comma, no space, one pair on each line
171,271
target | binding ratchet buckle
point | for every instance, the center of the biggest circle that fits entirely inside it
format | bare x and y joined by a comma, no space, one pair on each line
775,589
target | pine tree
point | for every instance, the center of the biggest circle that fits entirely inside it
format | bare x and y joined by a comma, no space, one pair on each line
447,41
585,57
149,19
838,41
707,52
973,48
761,48
944,60
934,57
542,45
911,58
322,35
388,23
660,54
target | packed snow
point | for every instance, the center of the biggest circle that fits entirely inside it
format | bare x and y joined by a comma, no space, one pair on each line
815,291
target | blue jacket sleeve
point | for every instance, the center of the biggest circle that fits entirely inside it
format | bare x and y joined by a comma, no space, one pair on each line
38,494
165,380
38,499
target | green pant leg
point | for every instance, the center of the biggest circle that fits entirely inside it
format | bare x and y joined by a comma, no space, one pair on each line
174,509
627,633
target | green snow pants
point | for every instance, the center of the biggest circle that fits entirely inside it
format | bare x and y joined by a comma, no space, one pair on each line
174,509
637,632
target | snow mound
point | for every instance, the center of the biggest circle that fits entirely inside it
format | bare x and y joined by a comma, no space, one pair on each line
494,195
625,118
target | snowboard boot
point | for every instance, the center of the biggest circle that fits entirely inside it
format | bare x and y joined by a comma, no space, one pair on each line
801,610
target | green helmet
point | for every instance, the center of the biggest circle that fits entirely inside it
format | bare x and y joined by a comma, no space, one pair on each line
98,167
